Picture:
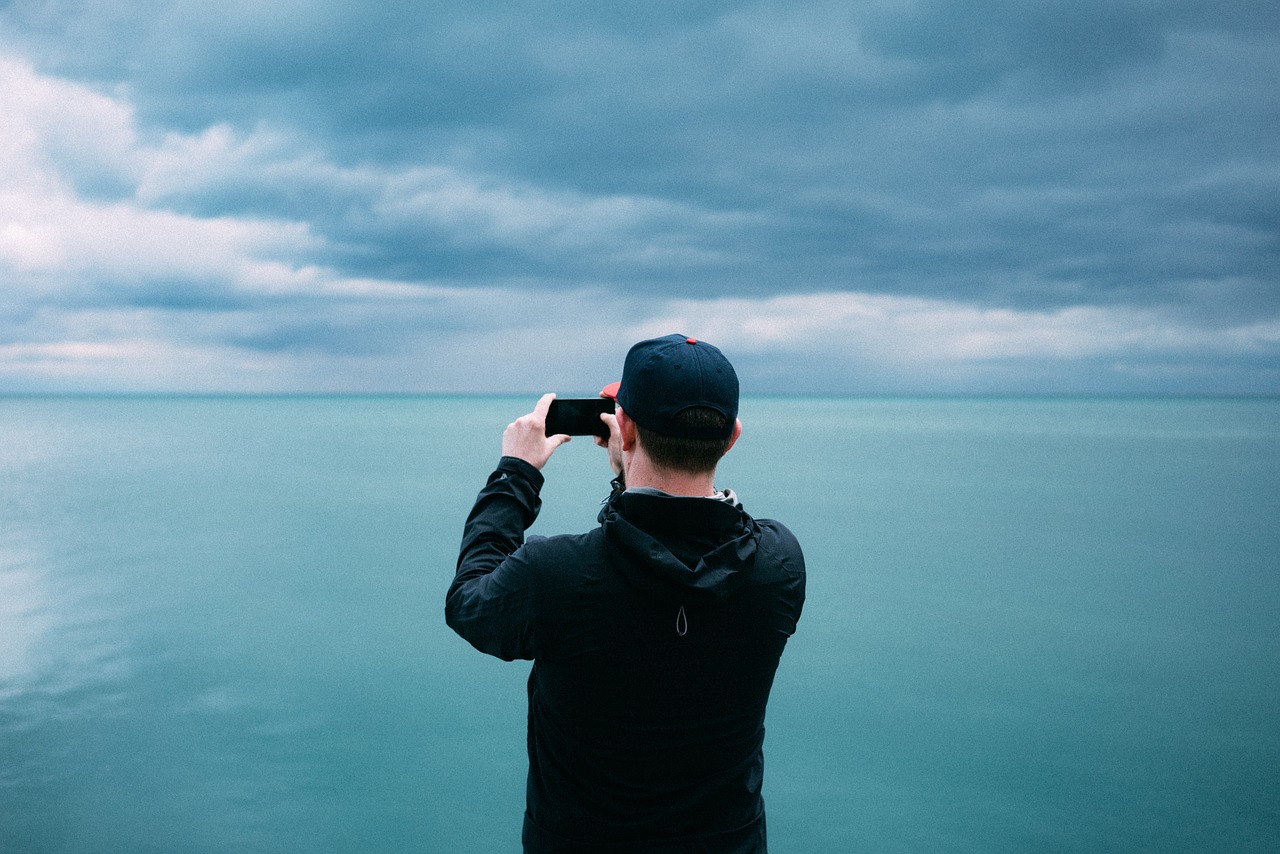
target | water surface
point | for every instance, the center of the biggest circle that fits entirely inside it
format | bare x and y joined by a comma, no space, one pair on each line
1044,625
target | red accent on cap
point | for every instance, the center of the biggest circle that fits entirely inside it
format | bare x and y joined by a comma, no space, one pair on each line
611,390
691,340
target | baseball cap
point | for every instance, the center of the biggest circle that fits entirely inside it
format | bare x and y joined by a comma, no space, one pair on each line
663,377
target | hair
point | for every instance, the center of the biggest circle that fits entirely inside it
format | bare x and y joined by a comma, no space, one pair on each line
689,455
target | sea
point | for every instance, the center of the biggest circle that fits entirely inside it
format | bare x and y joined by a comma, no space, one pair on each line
1033,624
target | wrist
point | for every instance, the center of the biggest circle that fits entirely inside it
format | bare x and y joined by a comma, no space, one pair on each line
520,467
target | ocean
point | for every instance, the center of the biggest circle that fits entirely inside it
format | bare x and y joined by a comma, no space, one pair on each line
1033,625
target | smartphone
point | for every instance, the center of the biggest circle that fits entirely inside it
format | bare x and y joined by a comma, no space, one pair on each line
579,416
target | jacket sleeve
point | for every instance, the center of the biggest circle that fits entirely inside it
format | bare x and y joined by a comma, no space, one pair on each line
491,602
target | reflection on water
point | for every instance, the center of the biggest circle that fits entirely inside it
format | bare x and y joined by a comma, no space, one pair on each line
59,645
24,620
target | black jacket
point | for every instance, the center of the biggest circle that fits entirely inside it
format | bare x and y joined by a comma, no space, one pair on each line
655,639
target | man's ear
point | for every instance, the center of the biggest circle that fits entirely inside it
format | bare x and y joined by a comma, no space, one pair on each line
626,429
737,431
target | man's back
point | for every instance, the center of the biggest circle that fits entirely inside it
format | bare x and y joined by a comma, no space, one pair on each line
655,637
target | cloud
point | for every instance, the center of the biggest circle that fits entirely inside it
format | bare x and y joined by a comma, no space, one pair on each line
62,239
878,343
914,196
455,340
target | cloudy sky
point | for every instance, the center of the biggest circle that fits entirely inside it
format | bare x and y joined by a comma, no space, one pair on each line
901,196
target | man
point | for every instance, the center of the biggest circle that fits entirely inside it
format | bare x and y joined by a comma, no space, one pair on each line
654,636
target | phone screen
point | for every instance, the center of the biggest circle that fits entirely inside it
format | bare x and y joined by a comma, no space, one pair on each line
579,416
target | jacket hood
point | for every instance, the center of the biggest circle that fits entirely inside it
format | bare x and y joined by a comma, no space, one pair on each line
676,547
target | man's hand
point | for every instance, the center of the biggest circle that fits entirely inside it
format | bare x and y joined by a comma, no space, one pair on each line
613,443
526,437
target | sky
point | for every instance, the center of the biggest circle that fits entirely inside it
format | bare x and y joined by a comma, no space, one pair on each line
912,197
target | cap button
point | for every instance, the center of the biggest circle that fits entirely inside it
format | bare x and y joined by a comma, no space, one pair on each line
691,340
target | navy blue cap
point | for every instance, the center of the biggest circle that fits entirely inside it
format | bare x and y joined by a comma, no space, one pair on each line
663,377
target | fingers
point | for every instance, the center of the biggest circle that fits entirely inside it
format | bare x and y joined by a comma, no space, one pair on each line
610,421
525,437
614,443
542,406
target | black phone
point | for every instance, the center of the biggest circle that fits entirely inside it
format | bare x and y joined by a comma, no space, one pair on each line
579,416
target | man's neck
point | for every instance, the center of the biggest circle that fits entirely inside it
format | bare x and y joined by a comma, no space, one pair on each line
640,472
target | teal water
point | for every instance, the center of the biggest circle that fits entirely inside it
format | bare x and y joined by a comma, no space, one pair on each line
1033,625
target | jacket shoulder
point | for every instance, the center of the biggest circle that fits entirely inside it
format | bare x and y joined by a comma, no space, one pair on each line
781,546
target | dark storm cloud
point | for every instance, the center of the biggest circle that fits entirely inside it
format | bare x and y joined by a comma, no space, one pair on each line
988,155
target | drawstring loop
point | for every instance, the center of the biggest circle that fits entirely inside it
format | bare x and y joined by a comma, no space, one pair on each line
682,622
